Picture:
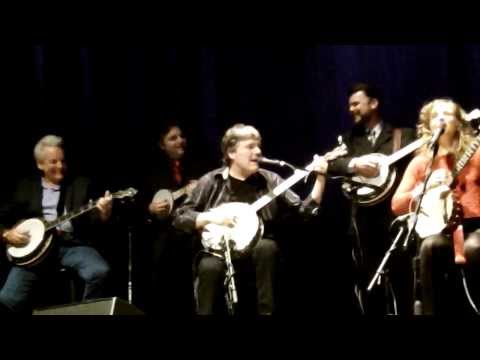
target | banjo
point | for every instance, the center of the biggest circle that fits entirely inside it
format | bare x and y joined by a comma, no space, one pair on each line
373,190
41,234
248,227
170,197
376,189
440,209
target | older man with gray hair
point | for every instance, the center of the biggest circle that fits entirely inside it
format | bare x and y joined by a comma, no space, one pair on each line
49,196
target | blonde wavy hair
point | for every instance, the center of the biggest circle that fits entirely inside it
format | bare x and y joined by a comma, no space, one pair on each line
464,130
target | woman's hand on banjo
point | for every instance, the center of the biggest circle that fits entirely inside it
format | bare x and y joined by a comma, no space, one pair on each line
16,238
439,177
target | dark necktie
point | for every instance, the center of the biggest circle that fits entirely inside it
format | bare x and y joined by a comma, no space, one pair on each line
176,172
371,136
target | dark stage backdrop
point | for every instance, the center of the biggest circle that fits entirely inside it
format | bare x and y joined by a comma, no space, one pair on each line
106,100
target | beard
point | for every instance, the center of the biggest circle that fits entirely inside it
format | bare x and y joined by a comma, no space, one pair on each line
358,119
362,119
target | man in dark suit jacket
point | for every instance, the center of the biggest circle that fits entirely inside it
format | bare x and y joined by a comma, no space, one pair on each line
48,197
370,134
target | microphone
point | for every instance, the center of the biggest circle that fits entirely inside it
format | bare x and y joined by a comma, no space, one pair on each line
436,134
264,160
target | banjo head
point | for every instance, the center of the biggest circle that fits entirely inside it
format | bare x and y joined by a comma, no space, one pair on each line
376,181
164,195
436,211
244,233
368,196
36,229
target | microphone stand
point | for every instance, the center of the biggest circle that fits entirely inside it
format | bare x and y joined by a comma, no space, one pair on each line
377,278
357,252
231,290
130,265
418,307
129,228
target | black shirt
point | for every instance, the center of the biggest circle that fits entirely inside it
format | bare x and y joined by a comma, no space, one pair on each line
243,190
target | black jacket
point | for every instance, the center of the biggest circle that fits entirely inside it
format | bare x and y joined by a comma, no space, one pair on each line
358,145
26,202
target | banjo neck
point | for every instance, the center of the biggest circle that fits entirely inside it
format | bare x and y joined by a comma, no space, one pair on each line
472,147
298,175
130,192
393,158
278,190
179,193
71,215
466,157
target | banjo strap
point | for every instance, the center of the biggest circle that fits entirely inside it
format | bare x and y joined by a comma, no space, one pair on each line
397,139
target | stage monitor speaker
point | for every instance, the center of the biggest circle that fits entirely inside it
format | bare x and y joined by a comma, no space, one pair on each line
107,306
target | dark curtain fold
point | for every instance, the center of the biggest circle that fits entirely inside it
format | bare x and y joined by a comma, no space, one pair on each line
106,99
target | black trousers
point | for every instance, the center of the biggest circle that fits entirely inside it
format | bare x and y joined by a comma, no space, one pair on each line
171,275
211,275
437,266
375,238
